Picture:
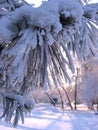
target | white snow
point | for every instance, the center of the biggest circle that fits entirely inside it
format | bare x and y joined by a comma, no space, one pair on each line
93,1
47,117
47,15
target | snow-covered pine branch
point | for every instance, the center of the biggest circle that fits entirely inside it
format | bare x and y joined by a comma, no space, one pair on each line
91,12
38,43
10,5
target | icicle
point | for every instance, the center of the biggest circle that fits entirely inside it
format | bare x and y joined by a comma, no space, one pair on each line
47,52
42,54
53,76
69,57
40,39
37,62
45,86
66,36
66,76
49,81
42,32
49,39
34,40
92,49
4,75
54,62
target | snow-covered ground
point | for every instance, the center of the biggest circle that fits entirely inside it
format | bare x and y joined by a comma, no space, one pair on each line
47,117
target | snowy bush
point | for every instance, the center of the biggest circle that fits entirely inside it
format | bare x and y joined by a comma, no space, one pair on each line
29,105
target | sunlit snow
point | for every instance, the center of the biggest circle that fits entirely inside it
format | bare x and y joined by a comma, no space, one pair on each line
47,117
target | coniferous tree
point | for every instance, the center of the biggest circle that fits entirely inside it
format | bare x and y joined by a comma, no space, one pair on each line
41,44
37,44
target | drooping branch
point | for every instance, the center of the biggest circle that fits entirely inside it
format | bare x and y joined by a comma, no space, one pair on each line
38,48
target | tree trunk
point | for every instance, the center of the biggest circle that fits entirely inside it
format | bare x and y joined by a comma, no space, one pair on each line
61,98
67,98
51,100
76,80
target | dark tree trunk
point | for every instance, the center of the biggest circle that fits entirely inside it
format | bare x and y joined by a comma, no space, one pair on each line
51,100
67,98
61,99
76,81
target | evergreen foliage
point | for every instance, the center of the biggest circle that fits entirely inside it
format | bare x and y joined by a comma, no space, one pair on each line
13,104
37,46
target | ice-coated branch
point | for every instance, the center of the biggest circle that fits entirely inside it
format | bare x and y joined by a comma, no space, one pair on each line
38,43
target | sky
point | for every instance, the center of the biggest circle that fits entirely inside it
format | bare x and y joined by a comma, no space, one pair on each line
39,2
36,2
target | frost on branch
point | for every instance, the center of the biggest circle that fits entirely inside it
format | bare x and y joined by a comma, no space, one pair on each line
91,11
39,43
10,5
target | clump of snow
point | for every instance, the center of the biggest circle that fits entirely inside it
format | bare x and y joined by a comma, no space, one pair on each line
47,15
5,33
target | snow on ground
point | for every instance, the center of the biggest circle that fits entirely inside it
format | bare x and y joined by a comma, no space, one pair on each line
47,117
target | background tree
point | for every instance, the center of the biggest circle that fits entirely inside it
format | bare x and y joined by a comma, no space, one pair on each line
89,89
